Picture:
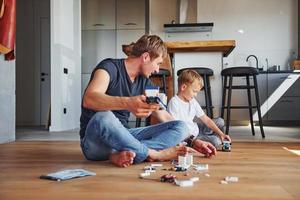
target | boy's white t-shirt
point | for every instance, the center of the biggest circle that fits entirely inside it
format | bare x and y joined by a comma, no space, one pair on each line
186,111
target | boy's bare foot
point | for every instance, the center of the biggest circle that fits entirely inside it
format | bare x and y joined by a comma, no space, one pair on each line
170,153
122,159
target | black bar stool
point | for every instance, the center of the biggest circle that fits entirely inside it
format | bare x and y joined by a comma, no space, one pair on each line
205,73
241,72
162,74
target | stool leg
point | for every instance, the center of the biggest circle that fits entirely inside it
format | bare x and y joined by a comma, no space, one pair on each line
138,122
258,107
223,96
250,105
206,96
228,105
164,84
209,98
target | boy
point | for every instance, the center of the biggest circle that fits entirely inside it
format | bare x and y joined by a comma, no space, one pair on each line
184,106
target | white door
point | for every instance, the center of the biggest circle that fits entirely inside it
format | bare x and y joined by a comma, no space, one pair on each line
42,60
45,70
65,64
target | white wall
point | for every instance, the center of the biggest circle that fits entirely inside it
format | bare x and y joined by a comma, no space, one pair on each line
65,53
268,28
7,100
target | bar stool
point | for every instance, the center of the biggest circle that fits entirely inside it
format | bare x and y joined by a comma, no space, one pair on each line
206,73
162,74
241,72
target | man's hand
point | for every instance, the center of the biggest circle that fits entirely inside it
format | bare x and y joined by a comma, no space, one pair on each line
204,147
138,106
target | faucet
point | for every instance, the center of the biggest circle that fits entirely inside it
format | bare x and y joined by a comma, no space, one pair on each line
255,59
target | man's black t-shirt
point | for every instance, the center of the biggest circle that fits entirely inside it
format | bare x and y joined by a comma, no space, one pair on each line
119,85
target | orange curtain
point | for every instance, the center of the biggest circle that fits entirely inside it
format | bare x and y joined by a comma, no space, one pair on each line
7,28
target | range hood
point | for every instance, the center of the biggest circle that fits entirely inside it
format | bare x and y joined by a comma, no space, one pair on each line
188,27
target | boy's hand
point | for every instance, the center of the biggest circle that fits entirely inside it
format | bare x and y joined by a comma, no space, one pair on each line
204,147
138,106
225,137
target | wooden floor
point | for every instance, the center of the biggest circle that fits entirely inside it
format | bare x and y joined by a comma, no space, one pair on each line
265,171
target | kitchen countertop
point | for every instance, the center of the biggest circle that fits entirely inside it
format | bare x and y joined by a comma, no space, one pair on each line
281,71
224,46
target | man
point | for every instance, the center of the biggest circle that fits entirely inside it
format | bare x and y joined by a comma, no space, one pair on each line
115,89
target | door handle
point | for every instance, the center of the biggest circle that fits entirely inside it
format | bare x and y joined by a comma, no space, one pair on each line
44,74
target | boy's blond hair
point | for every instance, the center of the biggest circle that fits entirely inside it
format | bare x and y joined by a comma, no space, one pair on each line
148,43
188,77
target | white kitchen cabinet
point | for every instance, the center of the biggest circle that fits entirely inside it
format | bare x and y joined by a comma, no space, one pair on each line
96,46
130,14
126,37
98,14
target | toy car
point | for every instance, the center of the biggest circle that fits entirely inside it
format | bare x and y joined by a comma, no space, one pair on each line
226,146
170,178
180,169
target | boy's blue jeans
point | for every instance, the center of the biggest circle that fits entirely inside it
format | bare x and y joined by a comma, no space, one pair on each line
105,134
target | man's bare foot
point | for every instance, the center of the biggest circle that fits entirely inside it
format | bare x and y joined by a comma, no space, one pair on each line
122,159
170,153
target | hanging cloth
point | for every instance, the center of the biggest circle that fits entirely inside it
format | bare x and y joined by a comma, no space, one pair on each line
7,28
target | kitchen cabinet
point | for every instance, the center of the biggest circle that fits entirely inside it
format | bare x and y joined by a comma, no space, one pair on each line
288,106
98,14
126,37
130,14
96,46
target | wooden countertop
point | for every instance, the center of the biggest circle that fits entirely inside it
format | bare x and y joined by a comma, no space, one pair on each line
225,46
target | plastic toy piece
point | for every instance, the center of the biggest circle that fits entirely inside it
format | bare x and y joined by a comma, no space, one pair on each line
185,161
189,160
226,146
150,171
184,183
182,160
233,179
201,167
194,179
142,175
151,168
170,178
156,165
223,182
180,169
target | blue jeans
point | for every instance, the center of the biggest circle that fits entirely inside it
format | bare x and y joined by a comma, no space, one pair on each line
206,134
105,134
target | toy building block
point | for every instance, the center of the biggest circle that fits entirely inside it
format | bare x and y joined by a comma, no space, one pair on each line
150,171
142,175
201,167
184,183
182,161
231,179
149,168
194,179
156,165
189,160
223,182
